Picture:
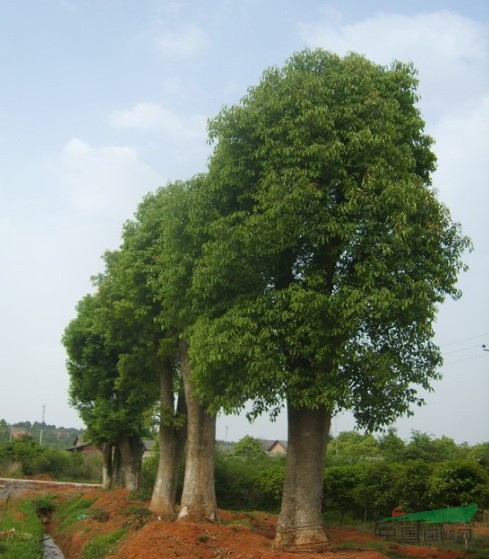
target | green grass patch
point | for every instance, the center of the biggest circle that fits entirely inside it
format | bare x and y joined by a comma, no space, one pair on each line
101,546
72,510
45,504
21,532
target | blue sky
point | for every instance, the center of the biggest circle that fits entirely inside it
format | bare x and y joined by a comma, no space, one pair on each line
103,101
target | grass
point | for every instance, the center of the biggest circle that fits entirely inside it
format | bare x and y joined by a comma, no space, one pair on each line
73,509
101,546
21,532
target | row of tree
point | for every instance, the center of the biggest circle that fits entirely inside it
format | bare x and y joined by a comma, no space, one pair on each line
351,447
303,269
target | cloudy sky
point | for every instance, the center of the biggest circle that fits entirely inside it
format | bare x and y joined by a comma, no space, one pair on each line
102,101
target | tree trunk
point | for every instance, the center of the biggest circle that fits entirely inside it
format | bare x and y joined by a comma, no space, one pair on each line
198,502
299,525
106,449
116,477
171,440
132,450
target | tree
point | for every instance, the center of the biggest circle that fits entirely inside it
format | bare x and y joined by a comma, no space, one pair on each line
425,447
149,362
330,253
413,486
480,454
352,446
111,410
183,229
248,447
391,446
459,483
339,486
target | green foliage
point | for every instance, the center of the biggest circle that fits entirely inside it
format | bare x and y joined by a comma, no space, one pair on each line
45,504
249,482
22,536
102,545
328,252
52,436
391,446
27,452
376,490
413,486
350,447
34,459
71,510
480,454
459,483
248,447
425,447
339,486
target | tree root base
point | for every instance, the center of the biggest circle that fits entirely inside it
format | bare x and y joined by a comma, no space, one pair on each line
302,540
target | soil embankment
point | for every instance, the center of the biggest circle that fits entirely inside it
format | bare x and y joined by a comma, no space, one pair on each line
236,536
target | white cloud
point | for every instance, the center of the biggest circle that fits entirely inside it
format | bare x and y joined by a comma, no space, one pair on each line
462,145
107,180
154,117
186,40
450,51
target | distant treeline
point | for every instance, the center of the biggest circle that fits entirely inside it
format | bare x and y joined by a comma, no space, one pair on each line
365,476
52,436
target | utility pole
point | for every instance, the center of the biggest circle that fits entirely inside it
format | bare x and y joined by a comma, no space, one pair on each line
42,422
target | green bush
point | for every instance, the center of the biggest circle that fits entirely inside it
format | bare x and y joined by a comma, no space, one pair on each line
25,456
459,483
339,484
249,483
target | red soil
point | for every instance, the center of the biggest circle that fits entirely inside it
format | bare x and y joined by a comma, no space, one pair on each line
236,536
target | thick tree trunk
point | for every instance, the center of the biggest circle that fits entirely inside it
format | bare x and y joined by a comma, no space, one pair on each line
198,502
132,450
299,523
171,440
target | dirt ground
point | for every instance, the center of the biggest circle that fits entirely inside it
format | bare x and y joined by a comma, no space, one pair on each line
235,536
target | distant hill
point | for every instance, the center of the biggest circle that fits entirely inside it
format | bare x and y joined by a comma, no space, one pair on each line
53,436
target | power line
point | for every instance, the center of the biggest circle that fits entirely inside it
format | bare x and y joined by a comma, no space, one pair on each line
466,339
461,349
465,359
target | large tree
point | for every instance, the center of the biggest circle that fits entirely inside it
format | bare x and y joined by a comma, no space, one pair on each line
336,255
149,360
183,230
92,367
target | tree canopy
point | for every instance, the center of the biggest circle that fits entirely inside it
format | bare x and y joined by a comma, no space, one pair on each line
335,245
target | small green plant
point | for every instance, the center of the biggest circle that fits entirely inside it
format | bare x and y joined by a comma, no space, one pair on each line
44,504
203,538
102,545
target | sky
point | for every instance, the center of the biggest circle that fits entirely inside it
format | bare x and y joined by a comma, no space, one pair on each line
103,101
